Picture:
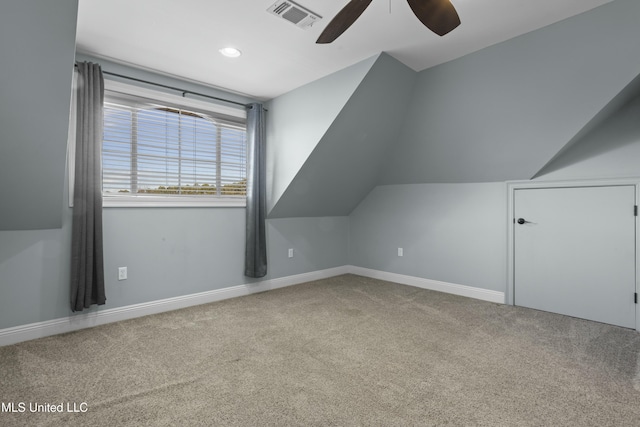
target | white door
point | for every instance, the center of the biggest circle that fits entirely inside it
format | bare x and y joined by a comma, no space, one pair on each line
575,252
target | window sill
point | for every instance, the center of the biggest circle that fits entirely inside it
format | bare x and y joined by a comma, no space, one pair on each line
172,202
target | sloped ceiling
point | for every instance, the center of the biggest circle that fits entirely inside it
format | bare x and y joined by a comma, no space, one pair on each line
611,149
504,112
297,121
615,126
343,167
499,114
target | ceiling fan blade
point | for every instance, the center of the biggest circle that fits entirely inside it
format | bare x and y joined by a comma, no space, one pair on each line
343,20
437,15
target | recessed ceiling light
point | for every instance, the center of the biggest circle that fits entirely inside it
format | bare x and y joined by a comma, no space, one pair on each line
230,52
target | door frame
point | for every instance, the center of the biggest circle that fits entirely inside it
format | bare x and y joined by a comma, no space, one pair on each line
512,186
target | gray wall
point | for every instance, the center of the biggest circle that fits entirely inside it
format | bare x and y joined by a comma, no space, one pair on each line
450,232
503,112
168,251
499,114
37,45
318,243
297,121
454,233
171,252
344,166
34,274
611,150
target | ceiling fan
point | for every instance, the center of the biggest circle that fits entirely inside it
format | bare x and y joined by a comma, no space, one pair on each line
437,15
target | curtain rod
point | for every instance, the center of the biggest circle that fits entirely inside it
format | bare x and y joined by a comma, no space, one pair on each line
174,88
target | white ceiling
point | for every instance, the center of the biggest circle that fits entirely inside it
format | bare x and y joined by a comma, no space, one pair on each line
182,37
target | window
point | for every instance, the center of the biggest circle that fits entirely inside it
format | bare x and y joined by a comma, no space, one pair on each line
162,153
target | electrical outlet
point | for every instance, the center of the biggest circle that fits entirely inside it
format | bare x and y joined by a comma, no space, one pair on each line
400,252
291,253
122,273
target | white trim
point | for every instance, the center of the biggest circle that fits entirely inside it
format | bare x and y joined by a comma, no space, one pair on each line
47,328
608,182
433,285
72,323
172,202
538,184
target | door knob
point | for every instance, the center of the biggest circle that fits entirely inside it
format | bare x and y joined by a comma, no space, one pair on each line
523,221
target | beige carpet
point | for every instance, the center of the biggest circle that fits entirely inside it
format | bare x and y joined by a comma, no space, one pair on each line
338,352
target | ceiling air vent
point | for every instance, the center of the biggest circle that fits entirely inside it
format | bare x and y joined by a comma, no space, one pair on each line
294,13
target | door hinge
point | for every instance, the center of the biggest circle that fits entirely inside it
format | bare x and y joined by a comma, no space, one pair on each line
635,210
635,297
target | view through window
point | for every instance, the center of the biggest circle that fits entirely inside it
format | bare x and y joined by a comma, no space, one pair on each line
164,151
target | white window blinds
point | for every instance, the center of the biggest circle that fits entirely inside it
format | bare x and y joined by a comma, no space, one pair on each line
159,150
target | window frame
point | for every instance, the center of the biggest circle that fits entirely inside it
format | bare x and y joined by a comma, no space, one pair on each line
122,90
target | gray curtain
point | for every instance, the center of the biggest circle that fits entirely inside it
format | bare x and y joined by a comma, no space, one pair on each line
87,265
256,243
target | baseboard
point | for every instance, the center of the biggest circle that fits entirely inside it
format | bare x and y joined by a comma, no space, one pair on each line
31,331
100,317
434,285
